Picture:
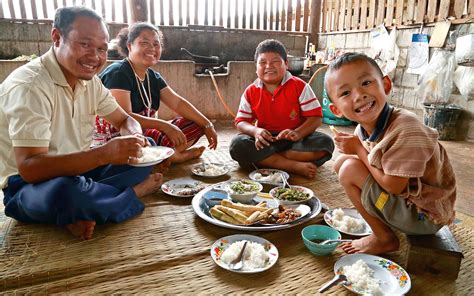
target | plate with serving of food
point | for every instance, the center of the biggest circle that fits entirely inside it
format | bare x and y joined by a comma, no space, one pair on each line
291,195
152,155
259,254
210,170
373,275
263,214
182,187
348,221
269,176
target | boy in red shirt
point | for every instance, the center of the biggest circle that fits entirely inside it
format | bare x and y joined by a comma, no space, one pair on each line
277,117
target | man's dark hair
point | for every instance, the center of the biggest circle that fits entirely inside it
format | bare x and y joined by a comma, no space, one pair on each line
348,58
65,16
271,45
129,34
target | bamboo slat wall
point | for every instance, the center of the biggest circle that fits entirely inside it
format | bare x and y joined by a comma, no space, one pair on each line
268,15
276,15
350,15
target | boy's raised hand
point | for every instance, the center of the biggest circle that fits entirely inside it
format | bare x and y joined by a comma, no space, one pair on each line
347,143
263,138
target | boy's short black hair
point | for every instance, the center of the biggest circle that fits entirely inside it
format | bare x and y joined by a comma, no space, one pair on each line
348,58
351,57
65,16
271,45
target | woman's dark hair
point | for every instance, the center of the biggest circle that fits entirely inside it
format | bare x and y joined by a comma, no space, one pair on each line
128,35
271,45
65,16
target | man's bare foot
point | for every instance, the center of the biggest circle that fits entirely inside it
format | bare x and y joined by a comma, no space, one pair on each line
305,169
372,245
82,229
188,154
151,184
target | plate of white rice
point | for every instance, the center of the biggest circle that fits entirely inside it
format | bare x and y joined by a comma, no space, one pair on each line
269,176
259,254
210,170
152,155
373,275
347,221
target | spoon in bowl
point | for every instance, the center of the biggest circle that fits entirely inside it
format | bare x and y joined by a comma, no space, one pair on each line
330,241
237,263
285,182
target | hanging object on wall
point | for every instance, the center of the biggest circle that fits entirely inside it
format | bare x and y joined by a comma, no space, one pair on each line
440,32
465,50
418,54
384,49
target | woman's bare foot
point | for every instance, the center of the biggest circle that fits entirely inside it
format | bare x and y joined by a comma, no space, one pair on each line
188,154
82,229
371,245
151,184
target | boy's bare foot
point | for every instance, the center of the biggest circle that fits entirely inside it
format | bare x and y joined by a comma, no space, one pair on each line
371,245
162,167
188,154
305,169
82,229
151,184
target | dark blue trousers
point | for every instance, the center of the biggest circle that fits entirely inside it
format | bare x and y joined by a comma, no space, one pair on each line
103,195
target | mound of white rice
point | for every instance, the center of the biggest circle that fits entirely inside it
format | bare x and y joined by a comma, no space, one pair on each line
212,170
254,256
347,223
273,177
361,277
150,154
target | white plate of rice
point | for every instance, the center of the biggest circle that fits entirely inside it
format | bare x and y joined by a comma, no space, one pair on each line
347,221
269,176
373,275
210,170
152,155
259,255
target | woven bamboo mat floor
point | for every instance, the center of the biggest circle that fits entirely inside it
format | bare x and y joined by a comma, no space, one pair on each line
166,250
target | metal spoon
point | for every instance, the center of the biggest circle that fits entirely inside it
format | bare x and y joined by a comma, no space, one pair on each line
237,263
285,182
330,241
338,278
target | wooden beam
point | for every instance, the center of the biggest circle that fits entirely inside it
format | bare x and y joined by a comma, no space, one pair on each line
221,13
348,19
283,17
196,19
315,21
443,10
342,14
162,14
251,25
103,8
265,15
228,15
399,13
298,16
410,12
152,12
33,9
236,15
188,13
459,7
289,16
390,8
180,12
277,16
363,14
430,15
206,12
45,9
138,10
356,20
421,11
371,20
12,9
258,14
213,12
380,12
171,14
124,11
113,13
306,15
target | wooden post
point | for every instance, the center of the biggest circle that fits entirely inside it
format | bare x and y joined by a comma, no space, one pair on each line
314,21
138,10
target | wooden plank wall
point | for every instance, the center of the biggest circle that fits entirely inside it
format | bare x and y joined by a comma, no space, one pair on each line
350,15
276,15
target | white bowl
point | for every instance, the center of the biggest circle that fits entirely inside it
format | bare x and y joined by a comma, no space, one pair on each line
244,196
282,201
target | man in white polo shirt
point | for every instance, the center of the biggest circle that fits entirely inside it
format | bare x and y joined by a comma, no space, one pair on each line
47,109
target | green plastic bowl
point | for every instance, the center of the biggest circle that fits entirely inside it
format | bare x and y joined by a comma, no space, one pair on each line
319,232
